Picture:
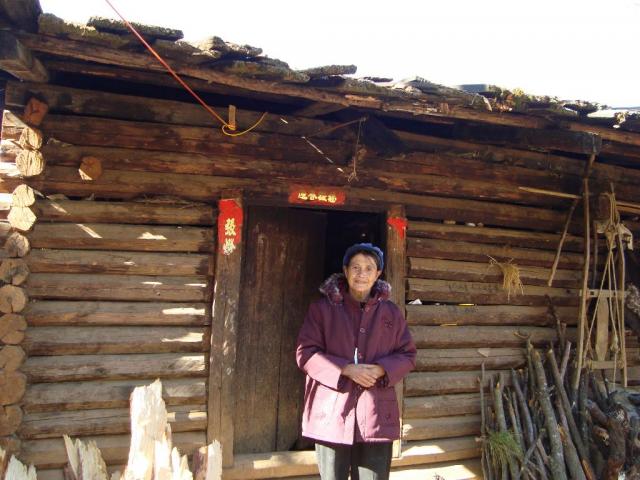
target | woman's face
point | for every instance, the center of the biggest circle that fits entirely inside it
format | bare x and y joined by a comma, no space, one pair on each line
362,272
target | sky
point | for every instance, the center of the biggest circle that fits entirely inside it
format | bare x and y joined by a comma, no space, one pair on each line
571,49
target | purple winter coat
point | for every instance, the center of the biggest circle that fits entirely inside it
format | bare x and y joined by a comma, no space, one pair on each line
332,329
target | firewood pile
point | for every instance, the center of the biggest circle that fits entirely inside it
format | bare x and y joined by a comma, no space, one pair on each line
534,426
151,453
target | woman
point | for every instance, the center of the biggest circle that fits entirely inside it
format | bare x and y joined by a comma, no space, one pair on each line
354,346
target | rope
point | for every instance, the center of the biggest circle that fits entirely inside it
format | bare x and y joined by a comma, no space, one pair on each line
226,128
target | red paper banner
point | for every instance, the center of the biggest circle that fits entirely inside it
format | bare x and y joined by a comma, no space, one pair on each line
399,224
229,225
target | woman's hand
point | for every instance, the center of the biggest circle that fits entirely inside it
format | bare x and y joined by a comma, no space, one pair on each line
363,374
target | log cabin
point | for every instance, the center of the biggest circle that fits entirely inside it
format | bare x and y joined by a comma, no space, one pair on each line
145,237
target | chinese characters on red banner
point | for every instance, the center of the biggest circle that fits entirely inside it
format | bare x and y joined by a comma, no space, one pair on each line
317,196
229,225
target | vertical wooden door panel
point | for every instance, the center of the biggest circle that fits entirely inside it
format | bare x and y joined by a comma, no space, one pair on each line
282,267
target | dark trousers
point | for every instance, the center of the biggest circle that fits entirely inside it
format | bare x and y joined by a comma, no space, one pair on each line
366,461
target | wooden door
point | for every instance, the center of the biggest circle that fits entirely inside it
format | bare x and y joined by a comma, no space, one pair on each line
282,270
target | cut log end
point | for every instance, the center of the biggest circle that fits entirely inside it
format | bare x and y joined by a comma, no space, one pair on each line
30,163
14,271
12,299
23,196
35,111
30,139
21,218
90,168
17,245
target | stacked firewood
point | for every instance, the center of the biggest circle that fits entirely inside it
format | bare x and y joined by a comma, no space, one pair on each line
534,426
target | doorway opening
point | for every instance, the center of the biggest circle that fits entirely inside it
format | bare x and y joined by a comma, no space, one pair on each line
288,253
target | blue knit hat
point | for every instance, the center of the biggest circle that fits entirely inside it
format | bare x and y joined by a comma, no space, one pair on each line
364,247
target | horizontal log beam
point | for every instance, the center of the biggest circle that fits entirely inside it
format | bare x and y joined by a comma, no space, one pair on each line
49,313
482,337
106,421
488,235
67,368
441,427
97,340
479,252
486,293
22,13
51,453
18,60
97,236
488,315
144,109
441,406
66,396
154,213
448,359
487,272
70,286
441,383
120,263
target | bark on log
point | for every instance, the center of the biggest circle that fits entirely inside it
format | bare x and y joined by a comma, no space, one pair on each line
105,421
12,328
17,245
498,406
44,313
70,286
12,387
67,396
64,368
12,299
23,196
30,163
10,419
115,340
14,271
571,457
148,212
96,236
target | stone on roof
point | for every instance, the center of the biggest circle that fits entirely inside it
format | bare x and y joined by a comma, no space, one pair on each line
110,25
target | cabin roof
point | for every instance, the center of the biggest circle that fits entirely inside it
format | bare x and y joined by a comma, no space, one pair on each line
213,58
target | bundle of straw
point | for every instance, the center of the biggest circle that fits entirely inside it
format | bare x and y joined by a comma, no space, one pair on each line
510,276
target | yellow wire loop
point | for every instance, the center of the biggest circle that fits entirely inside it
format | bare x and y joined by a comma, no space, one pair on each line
226,128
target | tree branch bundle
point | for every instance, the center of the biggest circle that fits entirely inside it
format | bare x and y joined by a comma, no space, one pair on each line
536,428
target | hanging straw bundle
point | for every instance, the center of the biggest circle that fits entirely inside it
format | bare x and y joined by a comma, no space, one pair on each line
511,282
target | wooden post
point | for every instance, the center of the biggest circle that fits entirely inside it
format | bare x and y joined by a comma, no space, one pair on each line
395,275
224,328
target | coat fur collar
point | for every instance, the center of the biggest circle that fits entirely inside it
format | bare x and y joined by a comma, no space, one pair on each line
335,288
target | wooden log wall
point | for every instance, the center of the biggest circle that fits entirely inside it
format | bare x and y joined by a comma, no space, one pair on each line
120,287
466,320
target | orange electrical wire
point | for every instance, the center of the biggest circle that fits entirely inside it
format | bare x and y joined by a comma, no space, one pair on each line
225,126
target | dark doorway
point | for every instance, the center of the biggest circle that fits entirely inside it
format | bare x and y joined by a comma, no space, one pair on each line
288,253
